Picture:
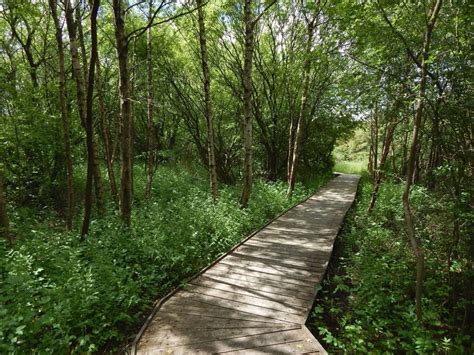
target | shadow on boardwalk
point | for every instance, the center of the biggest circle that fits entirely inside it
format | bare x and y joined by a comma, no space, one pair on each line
256,298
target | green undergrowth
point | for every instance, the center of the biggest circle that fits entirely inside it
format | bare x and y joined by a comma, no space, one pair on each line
61,295
366,303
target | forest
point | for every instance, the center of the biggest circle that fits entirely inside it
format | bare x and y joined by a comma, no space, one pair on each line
142,139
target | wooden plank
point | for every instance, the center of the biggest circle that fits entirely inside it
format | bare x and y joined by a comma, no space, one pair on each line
259,274
169,320
284,254
290,264
274,269
285,297
243,343
322,245
290,347
260,283
171,338
197,306
236,307
312,244
248,298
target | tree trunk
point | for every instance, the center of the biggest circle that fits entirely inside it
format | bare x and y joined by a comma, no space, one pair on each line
104,124
247,105
150,126
294,149
125,113
97,177
80,32
207,101
409,218
383,159
374,144
64,115
4,224
78,74
98,185
92,159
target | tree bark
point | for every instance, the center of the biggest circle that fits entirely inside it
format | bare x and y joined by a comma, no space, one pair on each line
92,158
85,103
78,74
64,115
409,218
104,124
98,185
207,102
294,149
247,104
80,32
125,112
150,126
383,159
4,223
374,143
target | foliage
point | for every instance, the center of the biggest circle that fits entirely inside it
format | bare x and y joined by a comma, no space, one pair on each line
59,294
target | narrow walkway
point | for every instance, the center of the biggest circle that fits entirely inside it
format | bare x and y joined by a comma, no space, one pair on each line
256,298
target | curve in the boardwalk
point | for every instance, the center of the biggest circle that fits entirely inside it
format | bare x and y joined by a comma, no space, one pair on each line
257,297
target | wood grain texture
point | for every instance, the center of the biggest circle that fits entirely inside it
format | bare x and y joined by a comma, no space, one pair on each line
256,299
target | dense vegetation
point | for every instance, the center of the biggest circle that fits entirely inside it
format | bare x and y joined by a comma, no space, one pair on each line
366,302
141,139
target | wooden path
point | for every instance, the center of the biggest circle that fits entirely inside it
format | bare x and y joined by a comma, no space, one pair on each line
256,298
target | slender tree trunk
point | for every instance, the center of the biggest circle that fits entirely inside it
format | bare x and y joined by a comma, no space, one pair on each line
64,115
374,144
104,124
4,223
80,32
247,106
125,113
383,159
78,73
98,185
91,152
151,127
291,139
409,218
295,147
207,101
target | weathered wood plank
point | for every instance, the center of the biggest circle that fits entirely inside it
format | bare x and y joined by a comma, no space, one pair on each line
246,343
269,266
198,306
276,287
168,320
259,274
287,254
284,296
235,306
283,261
248,298
173,337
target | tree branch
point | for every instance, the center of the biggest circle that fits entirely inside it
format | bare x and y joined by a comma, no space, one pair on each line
263,11
139,31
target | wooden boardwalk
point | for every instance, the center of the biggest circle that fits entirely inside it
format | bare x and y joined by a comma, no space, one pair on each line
257,297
